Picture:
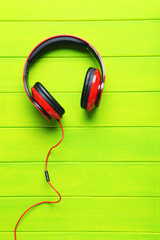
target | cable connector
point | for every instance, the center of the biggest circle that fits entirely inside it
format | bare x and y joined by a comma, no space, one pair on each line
47,176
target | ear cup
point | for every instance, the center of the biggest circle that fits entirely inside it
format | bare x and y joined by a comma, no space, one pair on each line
90,88
44,113
46,101
86,87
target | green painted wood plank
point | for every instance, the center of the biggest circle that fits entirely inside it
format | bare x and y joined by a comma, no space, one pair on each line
123,74
116,109
121,144
81,236
114,38
81,179
84,11
83,214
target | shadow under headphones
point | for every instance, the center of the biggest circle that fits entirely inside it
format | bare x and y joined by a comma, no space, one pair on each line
93,84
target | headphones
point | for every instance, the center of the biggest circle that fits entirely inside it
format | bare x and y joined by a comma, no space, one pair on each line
93,84
48,106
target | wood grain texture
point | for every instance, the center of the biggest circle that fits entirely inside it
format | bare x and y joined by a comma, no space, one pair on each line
85,10
79,145
107,167
83,214
81,236
122,74
81,179
113,38
116,109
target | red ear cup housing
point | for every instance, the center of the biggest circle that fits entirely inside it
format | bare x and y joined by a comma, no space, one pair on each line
90,89
46,101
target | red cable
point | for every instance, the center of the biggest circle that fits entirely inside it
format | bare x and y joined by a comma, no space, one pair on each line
48,183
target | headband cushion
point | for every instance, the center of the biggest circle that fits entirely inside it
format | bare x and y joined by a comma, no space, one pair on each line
49,99
86,87
61,39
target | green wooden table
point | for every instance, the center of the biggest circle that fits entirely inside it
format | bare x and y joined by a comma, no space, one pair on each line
108,167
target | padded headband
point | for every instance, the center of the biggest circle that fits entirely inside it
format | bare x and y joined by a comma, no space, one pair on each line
51,41
61,39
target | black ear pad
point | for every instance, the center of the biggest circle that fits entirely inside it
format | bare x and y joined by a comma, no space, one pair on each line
87,87
49,99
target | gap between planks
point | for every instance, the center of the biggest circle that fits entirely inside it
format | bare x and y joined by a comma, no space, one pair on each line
81,20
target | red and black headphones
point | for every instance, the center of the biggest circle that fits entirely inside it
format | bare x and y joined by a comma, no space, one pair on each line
49,107
93,84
